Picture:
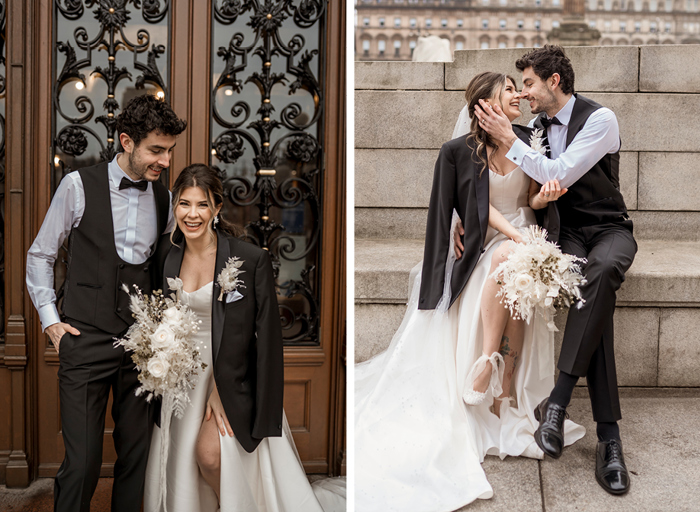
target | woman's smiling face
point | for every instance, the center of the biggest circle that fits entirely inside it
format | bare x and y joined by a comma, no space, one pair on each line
193,214
509,100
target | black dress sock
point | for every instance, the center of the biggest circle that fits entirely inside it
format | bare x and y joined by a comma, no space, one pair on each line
563,389
608,431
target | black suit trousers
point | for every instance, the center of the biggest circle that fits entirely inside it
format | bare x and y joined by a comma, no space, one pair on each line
588,345
89,367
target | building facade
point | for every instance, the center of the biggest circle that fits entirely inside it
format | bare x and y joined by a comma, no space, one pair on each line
389,29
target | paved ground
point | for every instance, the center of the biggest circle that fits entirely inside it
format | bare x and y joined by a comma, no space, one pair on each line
39,496
661,441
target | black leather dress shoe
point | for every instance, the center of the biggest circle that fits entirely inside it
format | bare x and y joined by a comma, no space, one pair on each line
549,436
610,469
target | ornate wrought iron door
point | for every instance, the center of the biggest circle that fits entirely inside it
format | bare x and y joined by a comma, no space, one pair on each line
106,51
267,106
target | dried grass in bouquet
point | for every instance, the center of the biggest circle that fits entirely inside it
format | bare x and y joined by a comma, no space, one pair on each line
538,277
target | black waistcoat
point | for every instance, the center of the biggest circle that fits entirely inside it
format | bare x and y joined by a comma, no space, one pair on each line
595,198
93,293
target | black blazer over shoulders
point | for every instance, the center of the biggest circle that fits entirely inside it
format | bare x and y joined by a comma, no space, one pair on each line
460,184
246,339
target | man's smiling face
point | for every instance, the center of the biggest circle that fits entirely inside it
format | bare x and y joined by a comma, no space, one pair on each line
538,92
151,156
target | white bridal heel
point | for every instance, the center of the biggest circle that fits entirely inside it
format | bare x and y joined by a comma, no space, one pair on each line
473,397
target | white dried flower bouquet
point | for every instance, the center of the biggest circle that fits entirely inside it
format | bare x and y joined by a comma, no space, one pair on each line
162,344
538,277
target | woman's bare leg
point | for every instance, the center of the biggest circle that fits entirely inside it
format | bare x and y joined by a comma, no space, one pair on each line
494,315
511,349
208,454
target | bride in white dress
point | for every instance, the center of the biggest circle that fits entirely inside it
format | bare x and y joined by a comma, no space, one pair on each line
215,461
462,380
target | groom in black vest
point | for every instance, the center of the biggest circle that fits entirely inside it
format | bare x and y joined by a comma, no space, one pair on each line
112,213
589,221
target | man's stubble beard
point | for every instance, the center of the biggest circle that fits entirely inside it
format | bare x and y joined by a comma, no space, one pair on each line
546,104
135,169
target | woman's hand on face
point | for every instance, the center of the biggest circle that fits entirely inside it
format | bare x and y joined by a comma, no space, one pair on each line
216,409
551,191
459,233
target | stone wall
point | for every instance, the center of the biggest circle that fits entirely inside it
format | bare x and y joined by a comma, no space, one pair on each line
405,111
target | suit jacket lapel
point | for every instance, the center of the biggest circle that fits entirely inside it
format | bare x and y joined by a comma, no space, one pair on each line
482,198
173,262
218,308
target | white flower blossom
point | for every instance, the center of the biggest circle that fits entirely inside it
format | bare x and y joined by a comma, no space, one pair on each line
172,315
164,337
158,367
538,277
228,278
536,141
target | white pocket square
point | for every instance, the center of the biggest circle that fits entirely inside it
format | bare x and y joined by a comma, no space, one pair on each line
233,296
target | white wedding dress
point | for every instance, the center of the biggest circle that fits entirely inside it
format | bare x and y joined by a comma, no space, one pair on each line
418,446
271,479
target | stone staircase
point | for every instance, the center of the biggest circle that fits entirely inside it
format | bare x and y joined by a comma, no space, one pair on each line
405,111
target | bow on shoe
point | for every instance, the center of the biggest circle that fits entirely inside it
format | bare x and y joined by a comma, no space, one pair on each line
473,397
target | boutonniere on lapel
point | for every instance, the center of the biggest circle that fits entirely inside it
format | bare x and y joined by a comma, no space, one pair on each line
537,141
228,279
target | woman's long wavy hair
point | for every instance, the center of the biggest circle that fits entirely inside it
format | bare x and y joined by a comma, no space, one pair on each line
207,179
483,87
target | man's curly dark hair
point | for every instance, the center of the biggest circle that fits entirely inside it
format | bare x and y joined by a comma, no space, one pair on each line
146,113
546,61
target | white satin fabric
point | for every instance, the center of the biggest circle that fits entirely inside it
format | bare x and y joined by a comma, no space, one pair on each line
418,446
271,479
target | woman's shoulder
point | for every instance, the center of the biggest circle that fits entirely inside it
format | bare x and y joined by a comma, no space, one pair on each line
243,248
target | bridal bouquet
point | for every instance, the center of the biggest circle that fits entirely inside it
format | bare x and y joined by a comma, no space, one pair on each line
162,345
538,277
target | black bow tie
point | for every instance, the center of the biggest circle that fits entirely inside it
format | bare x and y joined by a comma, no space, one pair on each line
547,122
127,183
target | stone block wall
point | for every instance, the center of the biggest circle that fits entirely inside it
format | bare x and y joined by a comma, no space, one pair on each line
405,111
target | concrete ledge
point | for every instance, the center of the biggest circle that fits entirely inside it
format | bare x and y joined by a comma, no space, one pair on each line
669,181
669,68
400,75
666,225
426,119
405,119
394,178
662,272
403,178
622,76
636,341
382,223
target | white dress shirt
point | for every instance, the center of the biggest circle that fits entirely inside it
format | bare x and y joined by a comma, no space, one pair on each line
135,231
598,137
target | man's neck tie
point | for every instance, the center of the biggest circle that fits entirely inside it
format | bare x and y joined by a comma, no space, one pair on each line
127,183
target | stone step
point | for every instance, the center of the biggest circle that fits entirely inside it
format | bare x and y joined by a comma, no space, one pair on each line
392,191
656,322
409,223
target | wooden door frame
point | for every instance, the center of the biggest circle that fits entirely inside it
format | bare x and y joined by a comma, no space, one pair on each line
28,159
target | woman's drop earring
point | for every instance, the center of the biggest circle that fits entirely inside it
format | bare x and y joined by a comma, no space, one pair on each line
216,221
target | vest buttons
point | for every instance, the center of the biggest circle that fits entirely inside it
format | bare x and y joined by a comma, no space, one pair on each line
119,310
121,265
